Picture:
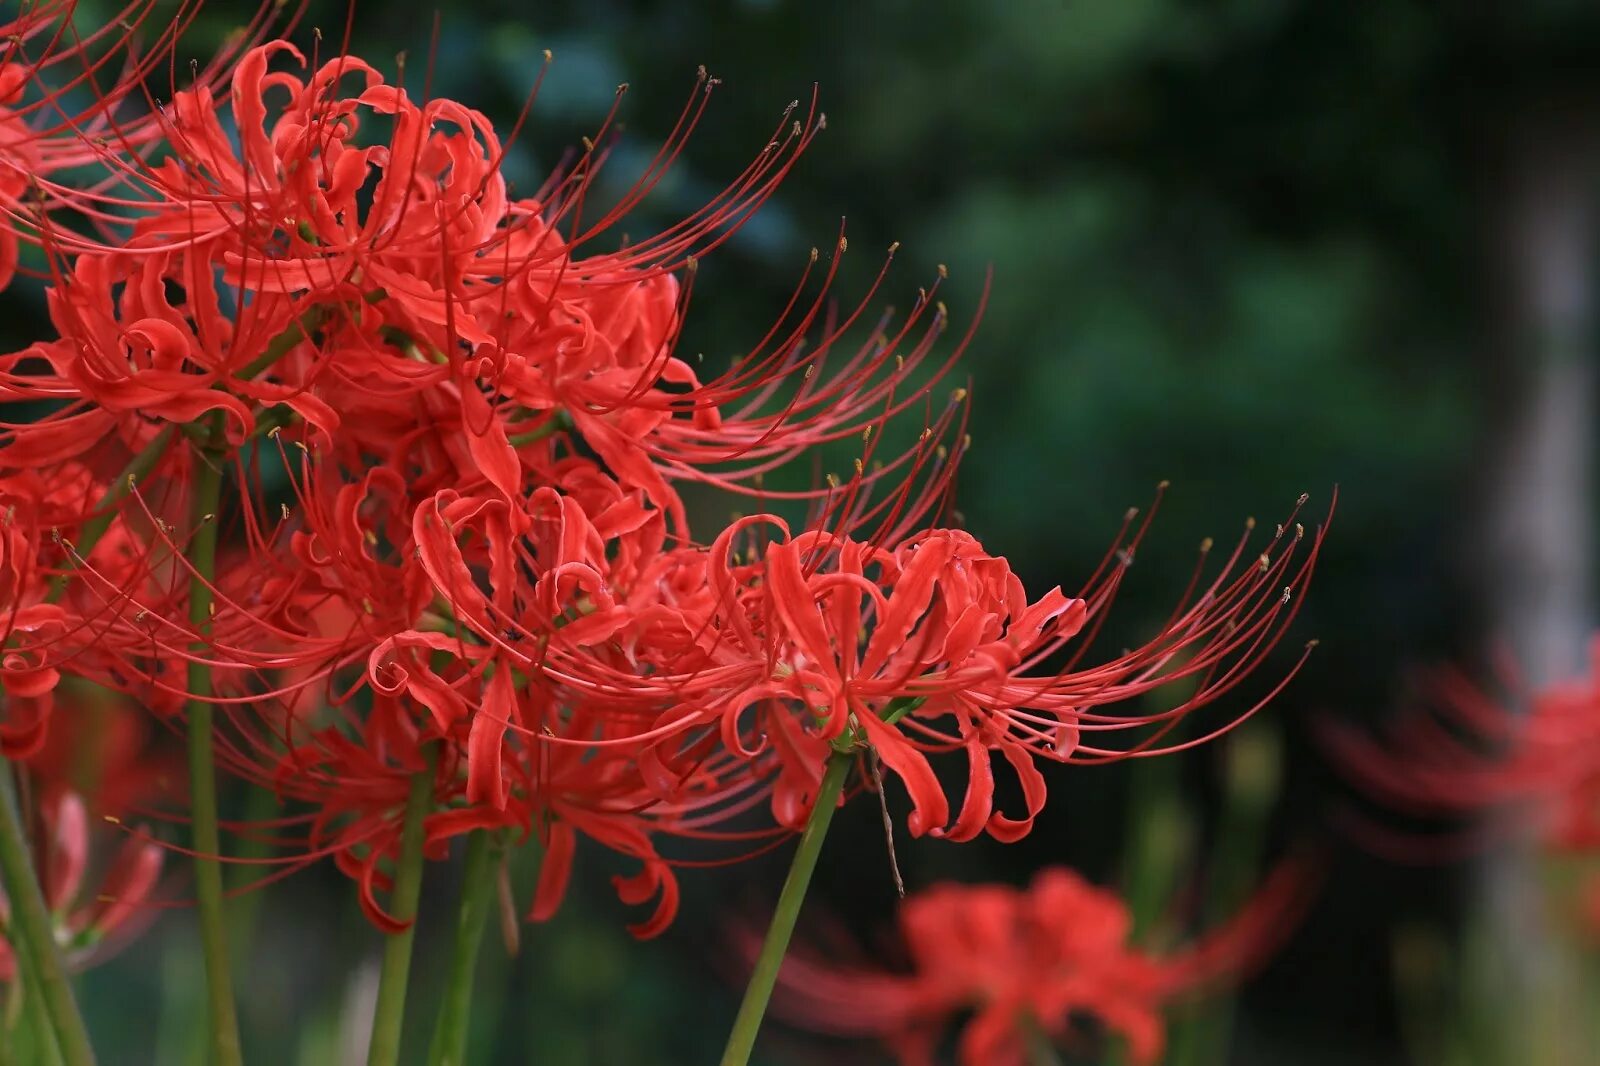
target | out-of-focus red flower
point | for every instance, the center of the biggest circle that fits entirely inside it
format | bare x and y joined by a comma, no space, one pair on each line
105,751
1478,758
1010,966
90,923
1475,755
90,783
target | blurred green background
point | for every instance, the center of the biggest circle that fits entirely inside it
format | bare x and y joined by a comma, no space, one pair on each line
1257,247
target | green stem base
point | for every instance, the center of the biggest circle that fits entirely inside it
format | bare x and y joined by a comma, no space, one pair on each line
449,1047
765,975
32,934
389,1018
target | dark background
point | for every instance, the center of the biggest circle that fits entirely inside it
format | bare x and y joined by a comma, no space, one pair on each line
1257,247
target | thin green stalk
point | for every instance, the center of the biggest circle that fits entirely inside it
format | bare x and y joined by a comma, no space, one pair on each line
12,1026
1160,837
765,975
390,1015
1202,1034
180,1027
449,1047
202,554
46,1052
32,932
494,972
245,907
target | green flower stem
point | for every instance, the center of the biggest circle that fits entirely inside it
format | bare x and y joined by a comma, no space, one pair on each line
494,972
203,523
36,1020
245,907
32,933
756,994
40,956
13,1027
449,1046
284,343
1160,835
1201,1035
1160,838
390,1016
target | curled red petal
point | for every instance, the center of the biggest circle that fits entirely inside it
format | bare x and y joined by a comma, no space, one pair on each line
555,870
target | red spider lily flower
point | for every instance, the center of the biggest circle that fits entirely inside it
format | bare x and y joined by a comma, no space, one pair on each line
357,785
73,99
1024,965
28,680
480,303
822,642
359,586
90,928
1477,758
484,683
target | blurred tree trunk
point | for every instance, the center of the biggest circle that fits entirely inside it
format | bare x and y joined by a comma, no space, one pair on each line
1540,529
1539,532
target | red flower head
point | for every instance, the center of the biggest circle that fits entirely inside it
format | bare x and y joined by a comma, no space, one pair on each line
1476,757
819,643
52,58
1024,965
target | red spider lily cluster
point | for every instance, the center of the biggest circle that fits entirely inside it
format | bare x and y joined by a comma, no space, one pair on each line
1478,756
340,444
1010,967
451,436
